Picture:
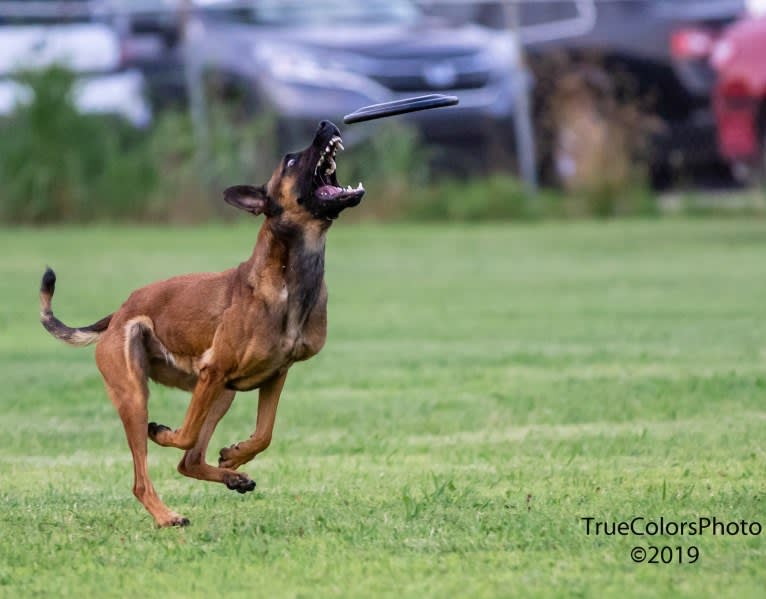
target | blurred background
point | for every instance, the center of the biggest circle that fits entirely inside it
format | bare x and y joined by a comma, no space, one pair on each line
143,110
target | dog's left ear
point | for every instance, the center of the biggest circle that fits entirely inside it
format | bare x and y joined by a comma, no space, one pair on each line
247,198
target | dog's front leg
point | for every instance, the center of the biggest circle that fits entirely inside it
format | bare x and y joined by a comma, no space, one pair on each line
193,463
210,385
268,399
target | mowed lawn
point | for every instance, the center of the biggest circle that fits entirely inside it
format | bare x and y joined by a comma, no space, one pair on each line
482,390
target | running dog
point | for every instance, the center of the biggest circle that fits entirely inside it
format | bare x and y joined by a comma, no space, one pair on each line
214,334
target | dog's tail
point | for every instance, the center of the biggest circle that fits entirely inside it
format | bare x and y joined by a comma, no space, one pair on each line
79,337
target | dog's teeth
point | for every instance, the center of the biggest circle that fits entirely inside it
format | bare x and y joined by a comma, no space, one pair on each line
321,161
340,145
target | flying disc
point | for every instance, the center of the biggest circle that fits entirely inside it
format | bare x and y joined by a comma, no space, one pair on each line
379,111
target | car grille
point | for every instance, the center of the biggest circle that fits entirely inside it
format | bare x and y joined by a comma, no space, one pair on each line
415,82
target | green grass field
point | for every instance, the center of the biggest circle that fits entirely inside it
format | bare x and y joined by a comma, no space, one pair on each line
482,390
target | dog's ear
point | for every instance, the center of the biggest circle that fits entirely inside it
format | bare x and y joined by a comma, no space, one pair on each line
247,198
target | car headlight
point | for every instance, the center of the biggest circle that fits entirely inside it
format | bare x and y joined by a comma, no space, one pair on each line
722,53
499,55
756,8
503,51
296,66
287,64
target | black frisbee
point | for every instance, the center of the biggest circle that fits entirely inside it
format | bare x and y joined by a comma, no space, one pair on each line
379,111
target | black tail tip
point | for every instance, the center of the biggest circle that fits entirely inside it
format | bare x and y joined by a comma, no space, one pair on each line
48,284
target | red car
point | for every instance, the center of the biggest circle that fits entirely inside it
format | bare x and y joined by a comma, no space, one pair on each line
739,98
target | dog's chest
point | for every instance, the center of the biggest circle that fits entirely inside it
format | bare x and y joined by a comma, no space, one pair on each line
301,286
296,340
298,308
288,321
285,330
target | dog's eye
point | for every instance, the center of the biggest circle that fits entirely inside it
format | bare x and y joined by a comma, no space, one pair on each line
291,162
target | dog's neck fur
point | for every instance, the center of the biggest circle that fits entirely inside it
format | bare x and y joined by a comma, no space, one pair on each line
290,258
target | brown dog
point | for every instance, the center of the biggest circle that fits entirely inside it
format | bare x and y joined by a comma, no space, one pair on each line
218,333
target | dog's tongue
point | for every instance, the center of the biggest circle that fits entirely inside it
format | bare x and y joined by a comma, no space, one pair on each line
327,192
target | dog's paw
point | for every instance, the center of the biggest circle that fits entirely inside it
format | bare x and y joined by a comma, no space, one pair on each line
241,483
228,458
173,519
155,429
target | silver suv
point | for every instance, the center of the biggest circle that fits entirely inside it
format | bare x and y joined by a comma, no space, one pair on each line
307,61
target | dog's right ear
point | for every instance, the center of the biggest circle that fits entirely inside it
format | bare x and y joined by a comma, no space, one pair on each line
247,198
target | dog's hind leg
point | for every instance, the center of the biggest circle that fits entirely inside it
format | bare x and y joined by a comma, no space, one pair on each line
121,358
193,463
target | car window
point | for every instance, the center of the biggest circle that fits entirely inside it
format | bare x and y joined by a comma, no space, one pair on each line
45,11
331,12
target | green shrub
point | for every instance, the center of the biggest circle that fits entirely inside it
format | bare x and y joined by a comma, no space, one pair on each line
496,197
189,189
393,163
59,165
608,201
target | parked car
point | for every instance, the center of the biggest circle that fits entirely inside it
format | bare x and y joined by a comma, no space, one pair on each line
326,58
151,33
651,55
39,34
740,96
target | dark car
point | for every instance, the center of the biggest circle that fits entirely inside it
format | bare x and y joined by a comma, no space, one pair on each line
151,42
648,55
326,58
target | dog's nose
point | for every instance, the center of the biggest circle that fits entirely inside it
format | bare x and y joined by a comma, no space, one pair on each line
328,127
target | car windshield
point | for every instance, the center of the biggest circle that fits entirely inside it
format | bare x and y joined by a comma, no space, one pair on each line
329,12
45,11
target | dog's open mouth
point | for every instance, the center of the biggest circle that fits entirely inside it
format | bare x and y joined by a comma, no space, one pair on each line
325,182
